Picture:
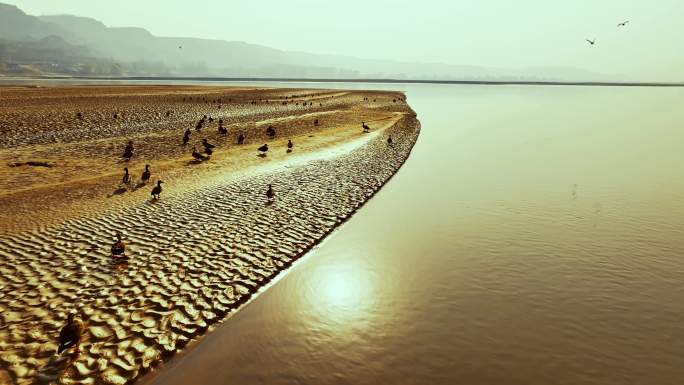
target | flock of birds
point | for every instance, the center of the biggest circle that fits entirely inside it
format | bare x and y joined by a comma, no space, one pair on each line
621,24
208,151
71,332
198,156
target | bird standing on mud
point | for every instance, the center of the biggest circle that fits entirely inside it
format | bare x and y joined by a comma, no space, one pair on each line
207,147
241,139
186,137
197,155
289,145
263,149
389,140
119,247
70,335
127,177
366,128
146,174
270,193
271,131
128,151
157,190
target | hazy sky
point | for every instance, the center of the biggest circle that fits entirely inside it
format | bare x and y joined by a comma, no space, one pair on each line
499,33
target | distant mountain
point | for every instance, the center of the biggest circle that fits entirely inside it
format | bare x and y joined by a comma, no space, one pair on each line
135,51
16,25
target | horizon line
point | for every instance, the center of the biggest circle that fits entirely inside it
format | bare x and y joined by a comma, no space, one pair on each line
361,80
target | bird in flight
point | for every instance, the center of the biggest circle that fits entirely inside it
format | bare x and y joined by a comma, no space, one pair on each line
180,47
592,42
623,24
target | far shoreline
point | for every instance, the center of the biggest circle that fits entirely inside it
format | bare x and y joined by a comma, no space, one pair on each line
9,79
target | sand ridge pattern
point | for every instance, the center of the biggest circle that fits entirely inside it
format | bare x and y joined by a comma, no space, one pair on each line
195,255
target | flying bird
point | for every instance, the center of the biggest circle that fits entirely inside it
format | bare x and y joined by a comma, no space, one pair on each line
623,24
592,42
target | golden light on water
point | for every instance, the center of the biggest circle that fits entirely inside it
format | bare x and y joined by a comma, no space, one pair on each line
342,293
342,290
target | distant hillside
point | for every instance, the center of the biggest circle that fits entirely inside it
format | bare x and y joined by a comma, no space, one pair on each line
16,25
135,51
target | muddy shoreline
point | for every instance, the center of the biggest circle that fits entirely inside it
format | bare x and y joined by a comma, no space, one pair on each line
198,253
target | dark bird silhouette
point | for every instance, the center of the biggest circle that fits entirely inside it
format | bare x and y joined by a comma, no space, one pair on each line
271,131
623,24
70,335
270,193
127,177
119,247
207,147
157,190
180,47
222,130
241,139
115,115
389,140
592,42
289,144
79,115
316,122
146,174
365,127
263,149
197,155
128,151
186,137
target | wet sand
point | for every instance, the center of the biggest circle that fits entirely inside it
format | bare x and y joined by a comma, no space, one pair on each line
195,255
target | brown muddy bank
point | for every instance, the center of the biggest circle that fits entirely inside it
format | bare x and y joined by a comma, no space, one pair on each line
198,253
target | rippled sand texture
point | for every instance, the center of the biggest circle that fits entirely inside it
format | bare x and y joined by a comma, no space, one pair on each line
204,248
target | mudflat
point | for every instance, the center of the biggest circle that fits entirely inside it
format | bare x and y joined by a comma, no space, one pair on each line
210,241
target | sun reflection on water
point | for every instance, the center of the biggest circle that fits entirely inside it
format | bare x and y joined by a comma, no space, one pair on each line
342,293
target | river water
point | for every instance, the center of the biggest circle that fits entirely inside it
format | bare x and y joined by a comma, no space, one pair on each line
534,236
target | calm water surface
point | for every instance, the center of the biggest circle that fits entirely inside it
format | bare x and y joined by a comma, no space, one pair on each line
535,236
